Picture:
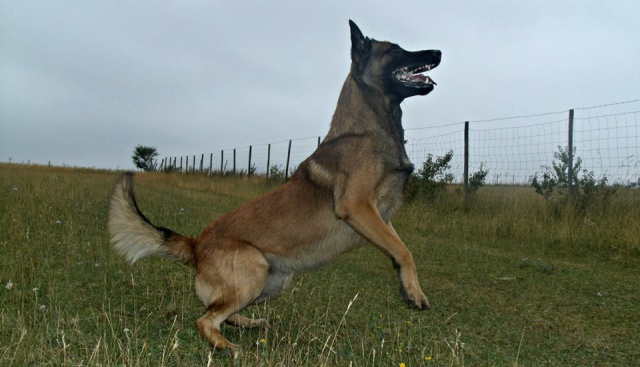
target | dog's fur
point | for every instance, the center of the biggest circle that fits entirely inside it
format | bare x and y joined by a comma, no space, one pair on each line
339,198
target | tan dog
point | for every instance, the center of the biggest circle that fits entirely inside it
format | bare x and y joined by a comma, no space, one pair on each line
339,198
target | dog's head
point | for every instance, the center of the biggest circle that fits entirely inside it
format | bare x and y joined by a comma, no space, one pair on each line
389,68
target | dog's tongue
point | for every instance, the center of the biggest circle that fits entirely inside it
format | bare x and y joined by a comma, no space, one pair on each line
421,77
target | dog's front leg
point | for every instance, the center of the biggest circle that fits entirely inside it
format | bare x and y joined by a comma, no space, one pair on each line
364,218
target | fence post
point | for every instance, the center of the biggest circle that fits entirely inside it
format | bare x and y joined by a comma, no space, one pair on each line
286,172
249,167
570,148
318,141
201,162
180,164
211,164
466,160
268,159
194,165
234,162
222,163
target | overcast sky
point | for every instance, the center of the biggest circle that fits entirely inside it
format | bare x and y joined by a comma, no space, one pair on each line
83,82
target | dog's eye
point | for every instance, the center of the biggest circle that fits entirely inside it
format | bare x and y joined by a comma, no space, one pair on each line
395,50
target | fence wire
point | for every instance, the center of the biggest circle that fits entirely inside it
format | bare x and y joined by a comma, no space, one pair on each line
511,149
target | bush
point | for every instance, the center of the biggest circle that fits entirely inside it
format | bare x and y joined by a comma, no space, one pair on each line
476,181
432,177
552,182
276,172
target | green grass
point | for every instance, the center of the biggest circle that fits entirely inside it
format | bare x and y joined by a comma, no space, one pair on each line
512,279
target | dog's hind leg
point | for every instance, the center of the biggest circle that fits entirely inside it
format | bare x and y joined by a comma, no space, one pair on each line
209,328
241,321
228,279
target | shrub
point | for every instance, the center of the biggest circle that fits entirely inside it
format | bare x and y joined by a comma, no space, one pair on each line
552,182
476,181
276,172
432,177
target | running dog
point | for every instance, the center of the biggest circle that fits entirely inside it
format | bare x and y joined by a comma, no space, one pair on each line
340,198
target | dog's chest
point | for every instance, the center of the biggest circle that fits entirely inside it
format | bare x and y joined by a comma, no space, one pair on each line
391,188
389,193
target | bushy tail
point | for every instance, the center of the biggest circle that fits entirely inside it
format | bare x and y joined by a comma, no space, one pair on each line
133,235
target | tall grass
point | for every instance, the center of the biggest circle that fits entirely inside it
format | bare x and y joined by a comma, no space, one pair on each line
518,215
513,280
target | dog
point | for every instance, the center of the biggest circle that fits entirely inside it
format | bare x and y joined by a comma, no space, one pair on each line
340,198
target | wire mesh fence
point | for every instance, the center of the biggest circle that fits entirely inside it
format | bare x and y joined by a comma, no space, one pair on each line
511,149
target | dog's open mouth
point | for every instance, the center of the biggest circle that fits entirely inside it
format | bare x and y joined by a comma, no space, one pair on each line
414,76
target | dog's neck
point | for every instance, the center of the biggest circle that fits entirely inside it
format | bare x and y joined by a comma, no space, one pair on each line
362,109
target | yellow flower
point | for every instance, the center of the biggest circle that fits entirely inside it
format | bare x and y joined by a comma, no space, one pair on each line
427,358
402,364
263,341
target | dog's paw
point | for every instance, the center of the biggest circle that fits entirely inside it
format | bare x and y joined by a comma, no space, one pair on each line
415,299
233,350
411,291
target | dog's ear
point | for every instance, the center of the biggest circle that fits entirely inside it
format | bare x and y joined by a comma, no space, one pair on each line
360,45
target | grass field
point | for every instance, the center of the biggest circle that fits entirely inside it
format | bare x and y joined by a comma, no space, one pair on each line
513,280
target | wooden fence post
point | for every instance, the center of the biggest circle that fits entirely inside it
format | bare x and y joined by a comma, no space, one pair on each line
211,164
249,168
194,165
286,173
466,160
234,162
570,148
268,159
221,163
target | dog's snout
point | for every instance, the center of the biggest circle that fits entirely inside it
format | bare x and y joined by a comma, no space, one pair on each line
436,55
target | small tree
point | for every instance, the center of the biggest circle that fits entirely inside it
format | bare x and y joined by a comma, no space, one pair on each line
143,157
276,172
552,182
557,176
432,177
476,181
435,174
